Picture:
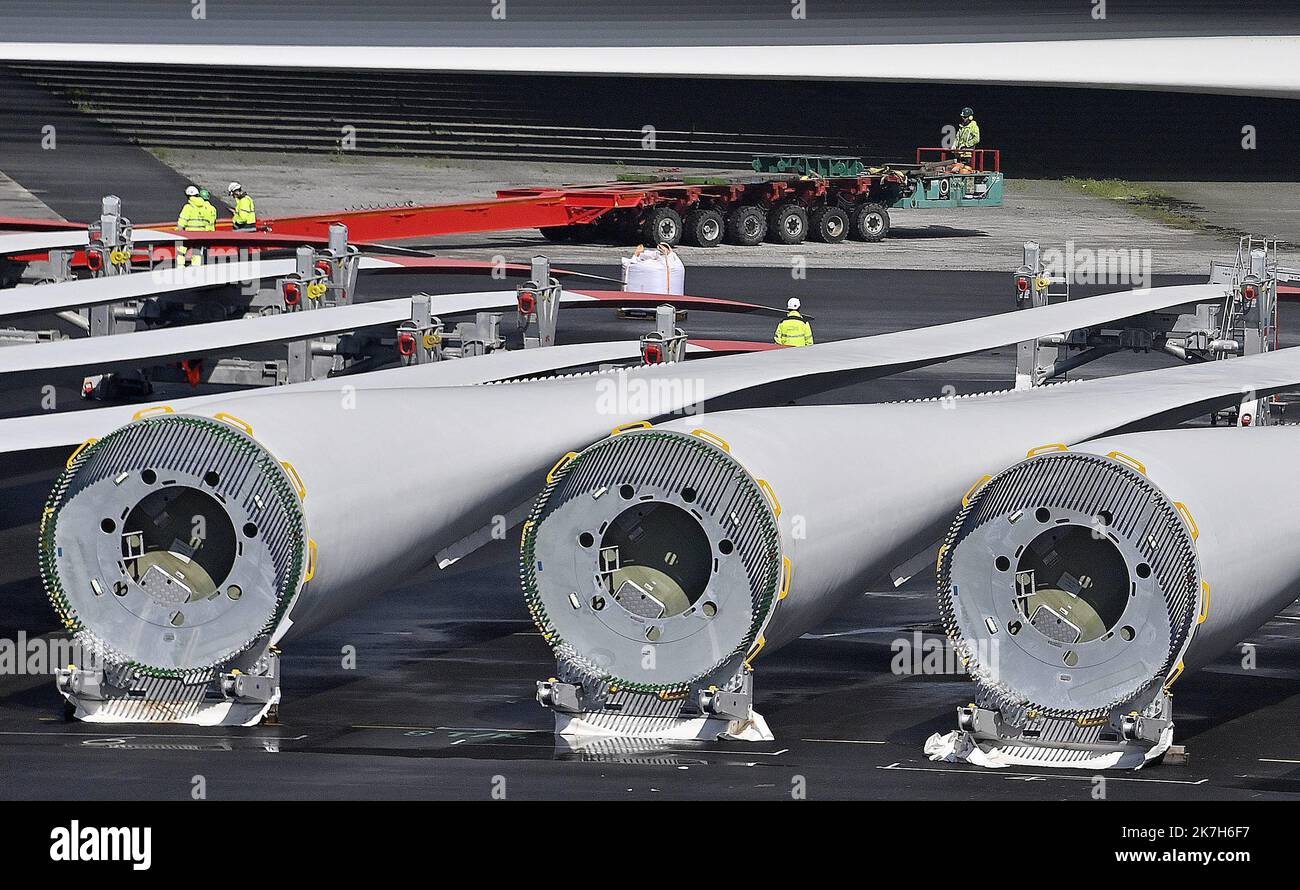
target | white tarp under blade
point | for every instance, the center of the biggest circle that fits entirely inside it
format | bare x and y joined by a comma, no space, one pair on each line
960,747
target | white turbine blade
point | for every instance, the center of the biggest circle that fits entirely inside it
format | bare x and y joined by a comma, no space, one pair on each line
84,292
69,428
39,242
192,341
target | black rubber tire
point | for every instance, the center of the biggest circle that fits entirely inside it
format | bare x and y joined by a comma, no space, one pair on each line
746,225
558,233
705,227
787,224
661,225
829,225
870,222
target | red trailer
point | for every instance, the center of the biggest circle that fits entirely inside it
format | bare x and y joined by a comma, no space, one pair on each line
789,201
698,209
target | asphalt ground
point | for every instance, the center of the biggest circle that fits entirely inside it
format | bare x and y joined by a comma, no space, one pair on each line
440,702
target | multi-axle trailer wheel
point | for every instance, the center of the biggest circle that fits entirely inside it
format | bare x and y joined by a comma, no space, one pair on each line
748,225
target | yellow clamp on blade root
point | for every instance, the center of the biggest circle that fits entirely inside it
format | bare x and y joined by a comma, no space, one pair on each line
311,561
1205,602
559,465
1128,460
970,493
233,421
634,425
152,411
938,562
1187,516
1090,721
712,437
80,448
1178,672
673,695
523,535
771,496
296,479
757,648
1044,449
787,576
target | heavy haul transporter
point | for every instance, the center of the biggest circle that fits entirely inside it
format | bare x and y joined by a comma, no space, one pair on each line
785,199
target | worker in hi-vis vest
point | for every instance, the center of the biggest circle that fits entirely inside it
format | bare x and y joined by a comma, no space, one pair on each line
193,218
209,209
793,330
245,216
968,137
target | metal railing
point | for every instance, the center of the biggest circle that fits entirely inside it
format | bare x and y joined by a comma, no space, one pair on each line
983,160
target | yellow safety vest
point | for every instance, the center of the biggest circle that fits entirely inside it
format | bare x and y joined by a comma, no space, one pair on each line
969,135
245,213
194,216
794,331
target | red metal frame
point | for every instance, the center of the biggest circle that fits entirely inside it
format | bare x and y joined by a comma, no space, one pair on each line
980,157
553,206
547,207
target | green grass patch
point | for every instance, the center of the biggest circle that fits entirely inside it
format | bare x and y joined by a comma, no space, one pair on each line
1149,203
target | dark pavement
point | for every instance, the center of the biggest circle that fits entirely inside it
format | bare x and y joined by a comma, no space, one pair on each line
441,700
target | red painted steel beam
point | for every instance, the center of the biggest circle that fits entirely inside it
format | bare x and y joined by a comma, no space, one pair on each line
23,224
442,219
730,346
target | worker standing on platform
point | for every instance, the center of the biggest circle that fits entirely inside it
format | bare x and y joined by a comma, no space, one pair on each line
209,211
968,137
793,330
193,218
245,216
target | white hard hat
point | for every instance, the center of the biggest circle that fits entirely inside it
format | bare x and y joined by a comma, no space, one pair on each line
792,304
234,187
192,191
